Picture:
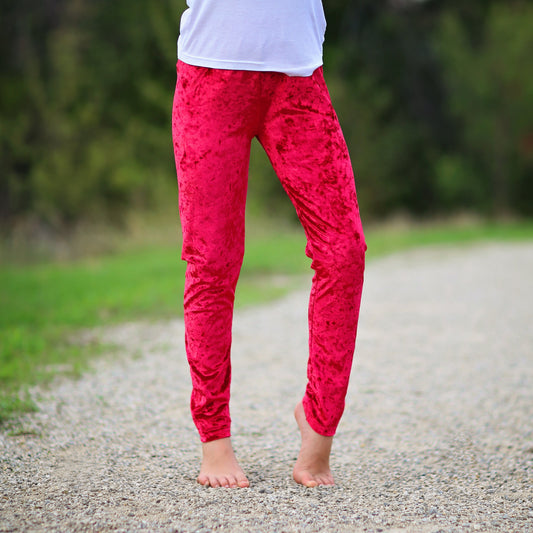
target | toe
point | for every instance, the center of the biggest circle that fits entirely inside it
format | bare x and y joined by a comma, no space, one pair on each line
305,479
232,482
214,482
239,481
203,480
325,480
243,483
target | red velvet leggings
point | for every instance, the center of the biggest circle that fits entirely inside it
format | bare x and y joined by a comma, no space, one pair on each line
216,115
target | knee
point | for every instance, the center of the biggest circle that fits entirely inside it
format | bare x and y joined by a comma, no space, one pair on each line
220,264
349,256
343,256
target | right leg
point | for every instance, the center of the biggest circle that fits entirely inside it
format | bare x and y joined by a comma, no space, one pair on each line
212,147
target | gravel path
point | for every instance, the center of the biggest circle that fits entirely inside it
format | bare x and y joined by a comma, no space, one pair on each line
437,435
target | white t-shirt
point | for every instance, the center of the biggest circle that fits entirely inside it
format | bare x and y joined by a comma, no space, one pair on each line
264,35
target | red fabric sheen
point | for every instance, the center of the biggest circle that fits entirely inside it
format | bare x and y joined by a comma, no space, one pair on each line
216,115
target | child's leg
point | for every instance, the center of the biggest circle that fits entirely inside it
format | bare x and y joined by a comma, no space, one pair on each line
304,141
212,146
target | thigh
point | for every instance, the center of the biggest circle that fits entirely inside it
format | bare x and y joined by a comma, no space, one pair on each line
211,146
304,141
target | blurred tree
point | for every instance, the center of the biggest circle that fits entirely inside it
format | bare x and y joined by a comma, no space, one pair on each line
85,100
490,90
434,98
391,103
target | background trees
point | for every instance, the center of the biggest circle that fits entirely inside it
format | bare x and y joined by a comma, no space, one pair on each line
435,99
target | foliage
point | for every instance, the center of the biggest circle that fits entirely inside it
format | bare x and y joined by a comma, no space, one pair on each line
436,102
85,98
490,90
434,97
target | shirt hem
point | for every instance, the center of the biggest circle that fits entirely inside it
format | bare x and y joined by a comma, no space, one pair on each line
299,71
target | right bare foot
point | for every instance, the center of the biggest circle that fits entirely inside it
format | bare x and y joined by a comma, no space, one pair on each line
220,467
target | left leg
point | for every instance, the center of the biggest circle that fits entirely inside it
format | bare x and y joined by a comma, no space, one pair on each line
304,142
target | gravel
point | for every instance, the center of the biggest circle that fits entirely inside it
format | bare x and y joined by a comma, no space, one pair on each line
437,434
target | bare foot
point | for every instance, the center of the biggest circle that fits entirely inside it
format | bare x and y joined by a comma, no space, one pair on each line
220,467
312,466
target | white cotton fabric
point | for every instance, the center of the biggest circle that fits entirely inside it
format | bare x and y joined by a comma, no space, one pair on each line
263,35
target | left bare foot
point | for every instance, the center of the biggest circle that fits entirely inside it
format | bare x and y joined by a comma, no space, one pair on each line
312,466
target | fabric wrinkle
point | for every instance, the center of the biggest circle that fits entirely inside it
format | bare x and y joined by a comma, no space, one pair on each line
214,123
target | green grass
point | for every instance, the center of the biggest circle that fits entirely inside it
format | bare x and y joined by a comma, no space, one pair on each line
382,241
44,305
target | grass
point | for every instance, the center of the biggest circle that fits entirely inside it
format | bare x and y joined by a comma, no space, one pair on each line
387,239
43,305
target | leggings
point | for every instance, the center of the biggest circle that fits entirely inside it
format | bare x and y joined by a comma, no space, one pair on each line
216,114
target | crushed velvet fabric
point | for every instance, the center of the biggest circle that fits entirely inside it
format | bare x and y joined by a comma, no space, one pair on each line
216,115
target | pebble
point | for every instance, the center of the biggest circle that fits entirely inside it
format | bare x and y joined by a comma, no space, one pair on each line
436,435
